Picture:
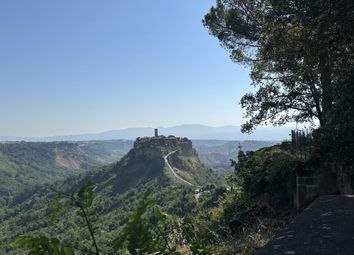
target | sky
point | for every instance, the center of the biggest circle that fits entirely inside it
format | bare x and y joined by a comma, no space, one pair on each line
71,67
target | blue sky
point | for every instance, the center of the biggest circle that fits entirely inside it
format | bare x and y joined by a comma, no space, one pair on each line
69,67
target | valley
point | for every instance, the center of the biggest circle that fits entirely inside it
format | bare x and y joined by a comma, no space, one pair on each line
24,165
217,154
168,168
126,130
119,187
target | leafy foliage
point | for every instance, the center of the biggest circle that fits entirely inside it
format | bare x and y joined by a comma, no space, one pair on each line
118,189
136,236
258,203
139,236
42,245
222,221
148,231
81,201
269,173
297,51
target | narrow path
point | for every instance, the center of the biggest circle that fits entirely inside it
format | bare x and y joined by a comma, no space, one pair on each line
323,228
173,171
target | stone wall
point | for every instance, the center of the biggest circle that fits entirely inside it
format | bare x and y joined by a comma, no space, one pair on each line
306,188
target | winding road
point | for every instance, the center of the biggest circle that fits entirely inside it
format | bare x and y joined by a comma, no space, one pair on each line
173,171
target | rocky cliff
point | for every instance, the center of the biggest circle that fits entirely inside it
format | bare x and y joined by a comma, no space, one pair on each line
161,145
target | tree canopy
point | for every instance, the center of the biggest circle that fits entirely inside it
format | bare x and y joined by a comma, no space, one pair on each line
297,50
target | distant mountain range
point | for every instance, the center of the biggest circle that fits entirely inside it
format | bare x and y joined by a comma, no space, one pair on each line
191,131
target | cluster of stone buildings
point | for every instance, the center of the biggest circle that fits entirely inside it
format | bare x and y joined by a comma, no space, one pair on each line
168,143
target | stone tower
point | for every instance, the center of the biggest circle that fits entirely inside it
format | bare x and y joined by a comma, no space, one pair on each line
156,132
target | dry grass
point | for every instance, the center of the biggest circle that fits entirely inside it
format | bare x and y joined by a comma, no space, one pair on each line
250,239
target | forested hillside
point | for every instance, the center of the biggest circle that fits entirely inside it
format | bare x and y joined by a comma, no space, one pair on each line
26,164
118,189
217,154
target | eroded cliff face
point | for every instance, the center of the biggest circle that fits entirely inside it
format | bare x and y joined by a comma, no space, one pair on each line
145,163
146,159
161,145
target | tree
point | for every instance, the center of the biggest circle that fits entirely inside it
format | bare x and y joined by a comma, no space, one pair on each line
82,201
148,231
297,51
140,236
42,245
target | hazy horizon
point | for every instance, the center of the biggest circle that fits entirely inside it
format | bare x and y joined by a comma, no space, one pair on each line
139,127
192,131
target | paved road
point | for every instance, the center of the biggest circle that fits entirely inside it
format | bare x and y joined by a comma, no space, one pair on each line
326,227
173,171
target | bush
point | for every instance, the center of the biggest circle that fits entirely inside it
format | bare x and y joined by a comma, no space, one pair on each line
268,174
